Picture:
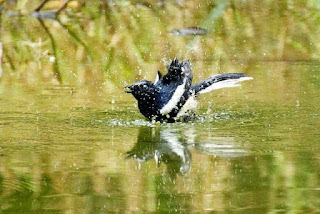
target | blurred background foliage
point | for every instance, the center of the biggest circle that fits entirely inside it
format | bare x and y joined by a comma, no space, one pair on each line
119,41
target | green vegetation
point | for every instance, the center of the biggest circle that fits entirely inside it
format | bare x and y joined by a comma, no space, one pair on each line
123,40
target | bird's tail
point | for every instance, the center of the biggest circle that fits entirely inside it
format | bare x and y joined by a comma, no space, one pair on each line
220,81
178,69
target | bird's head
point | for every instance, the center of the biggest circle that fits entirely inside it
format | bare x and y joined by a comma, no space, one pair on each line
141,90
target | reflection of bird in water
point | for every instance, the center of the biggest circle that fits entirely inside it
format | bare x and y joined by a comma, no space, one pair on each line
171,147
164,147
221,149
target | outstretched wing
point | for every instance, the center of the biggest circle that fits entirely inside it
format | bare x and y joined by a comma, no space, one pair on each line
220,81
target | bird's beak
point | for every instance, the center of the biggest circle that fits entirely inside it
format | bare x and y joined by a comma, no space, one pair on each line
128,89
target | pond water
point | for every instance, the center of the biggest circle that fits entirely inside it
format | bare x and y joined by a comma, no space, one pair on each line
254,148
71,140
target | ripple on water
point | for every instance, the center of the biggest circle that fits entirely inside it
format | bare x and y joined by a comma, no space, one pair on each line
139,122
201,118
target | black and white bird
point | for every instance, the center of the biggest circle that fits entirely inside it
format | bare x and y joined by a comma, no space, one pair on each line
172,97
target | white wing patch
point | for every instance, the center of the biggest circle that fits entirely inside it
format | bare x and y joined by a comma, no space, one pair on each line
225,84
174,99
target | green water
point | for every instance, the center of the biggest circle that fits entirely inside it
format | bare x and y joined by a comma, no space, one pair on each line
71,140
251,149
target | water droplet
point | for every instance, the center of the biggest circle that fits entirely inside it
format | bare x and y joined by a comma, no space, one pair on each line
52,59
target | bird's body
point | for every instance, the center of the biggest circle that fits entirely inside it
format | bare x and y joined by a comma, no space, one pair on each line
172,96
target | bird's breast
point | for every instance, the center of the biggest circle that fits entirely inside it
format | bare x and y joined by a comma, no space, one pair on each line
189,106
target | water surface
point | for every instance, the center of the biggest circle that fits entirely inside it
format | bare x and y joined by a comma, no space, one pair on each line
71,140
253,148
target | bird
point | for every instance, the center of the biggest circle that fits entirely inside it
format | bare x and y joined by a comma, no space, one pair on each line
168,146
172,97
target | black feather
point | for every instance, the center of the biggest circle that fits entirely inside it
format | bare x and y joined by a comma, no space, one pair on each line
178,70
163,100
214,79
